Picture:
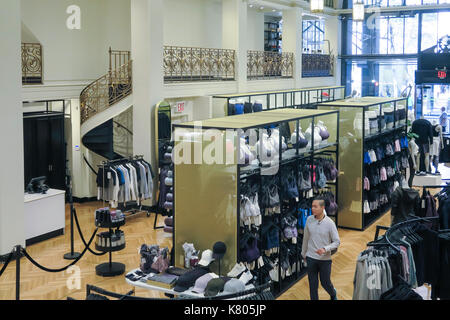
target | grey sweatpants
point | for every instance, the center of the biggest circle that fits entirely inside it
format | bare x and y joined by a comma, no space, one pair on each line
320,268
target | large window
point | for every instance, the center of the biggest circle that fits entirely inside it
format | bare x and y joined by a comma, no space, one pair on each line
313,35
434,26
385,35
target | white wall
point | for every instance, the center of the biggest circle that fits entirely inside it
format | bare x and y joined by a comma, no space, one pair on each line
77,55
193,23
255,29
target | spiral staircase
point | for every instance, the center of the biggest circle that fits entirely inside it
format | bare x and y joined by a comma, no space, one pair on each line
102,101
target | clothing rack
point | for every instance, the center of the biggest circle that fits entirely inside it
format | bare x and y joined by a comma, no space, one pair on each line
132,210
398,225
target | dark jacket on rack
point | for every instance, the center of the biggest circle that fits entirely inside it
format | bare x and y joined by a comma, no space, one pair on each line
405,202
444,211
424,130
441,287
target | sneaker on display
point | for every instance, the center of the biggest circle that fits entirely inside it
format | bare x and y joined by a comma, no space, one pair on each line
237,270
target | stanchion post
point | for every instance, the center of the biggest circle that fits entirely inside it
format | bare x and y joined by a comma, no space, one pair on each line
71,255
18,254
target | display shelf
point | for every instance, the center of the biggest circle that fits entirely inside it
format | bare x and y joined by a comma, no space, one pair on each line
110,249
215,189
278,99
357,120
111,224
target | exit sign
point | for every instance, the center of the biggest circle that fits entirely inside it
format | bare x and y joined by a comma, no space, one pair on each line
180,106
442,74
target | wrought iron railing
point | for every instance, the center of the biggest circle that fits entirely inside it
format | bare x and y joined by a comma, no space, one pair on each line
198,64
31,63
266,65
317,65
106,91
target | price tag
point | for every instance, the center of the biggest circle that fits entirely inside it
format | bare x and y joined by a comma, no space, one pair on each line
296,199
423,203
109,175
294,240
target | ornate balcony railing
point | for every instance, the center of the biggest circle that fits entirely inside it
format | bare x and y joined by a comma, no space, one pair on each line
198,64
106,91
267,65
317,65
31,63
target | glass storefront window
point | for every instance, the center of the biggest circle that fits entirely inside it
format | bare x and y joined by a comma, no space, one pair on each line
396,33
411,34
429,30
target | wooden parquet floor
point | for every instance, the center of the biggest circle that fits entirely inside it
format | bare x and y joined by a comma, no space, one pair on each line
40,285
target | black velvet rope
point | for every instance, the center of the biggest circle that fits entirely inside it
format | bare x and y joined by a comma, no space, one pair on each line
8,260
82,237
64,268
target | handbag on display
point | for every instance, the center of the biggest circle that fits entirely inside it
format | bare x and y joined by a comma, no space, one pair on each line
162,260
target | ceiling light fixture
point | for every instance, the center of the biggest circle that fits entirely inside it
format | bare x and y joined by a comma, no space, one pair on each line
317,6
358,10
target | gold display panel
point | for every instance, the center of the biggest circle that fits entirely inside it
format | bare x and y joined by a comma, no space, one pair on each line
350,167
206,196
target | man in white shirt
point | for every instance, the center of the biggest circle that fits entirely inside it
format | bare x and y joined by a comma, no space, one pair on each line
319,240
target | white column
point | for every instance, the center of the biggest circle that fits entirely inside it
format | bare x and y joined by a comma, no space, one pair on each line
234,29
12,227
148,75
292,40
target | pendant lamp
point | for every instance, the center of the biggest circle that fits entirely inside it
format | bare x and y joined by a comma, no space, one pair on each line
316,6
358,11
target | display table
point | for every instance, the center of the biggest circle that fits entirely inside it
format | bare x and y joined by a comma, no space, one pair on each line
44,215
188,293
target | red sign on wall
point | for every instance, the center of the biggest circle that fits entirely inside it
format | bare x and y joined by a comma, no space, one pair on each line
442,74
180,106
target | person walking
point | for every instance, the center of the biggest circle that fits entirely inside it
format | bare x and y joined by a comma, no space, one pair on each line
320,239
443,120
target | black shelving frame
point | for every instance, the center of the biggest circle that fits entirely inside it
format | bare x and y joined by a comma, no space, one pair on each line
267,36
289,97
282,285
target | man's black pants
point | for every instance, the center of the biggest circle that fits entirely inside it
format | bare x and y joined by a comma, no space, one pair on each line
320,268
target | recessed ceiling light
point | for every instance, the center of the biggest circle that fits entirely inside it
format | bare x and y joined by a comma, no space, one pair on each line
262,8
251,6
273,10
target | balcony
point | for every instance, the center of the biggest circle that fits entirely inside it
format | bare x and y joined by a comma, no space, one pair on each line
317,65
31,63
188,64
269,65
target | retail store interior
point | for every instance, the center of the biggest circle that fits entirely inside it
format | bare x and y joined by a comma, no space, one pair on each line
149,144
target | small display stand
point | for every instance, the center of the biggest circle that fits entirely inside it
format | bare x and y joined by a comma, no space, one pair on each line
110,269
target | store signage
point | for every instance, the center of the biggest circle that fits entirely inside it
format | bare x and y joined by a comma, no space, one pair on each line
442,74
180,107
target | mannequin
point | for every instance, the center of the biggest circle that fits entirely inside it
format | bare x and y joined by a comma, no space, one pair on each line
424,130
438,145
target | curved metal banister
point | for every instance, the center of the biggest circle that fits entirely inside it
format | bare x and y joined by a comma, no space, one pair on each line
106,91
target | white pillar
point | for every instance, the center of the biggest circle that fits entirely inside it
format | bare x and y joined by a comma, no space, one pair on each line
12,226
148,75
234,29
292,40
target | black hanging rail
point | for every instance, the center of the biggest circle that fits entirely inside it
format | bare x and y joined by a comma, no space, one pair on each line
398,225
